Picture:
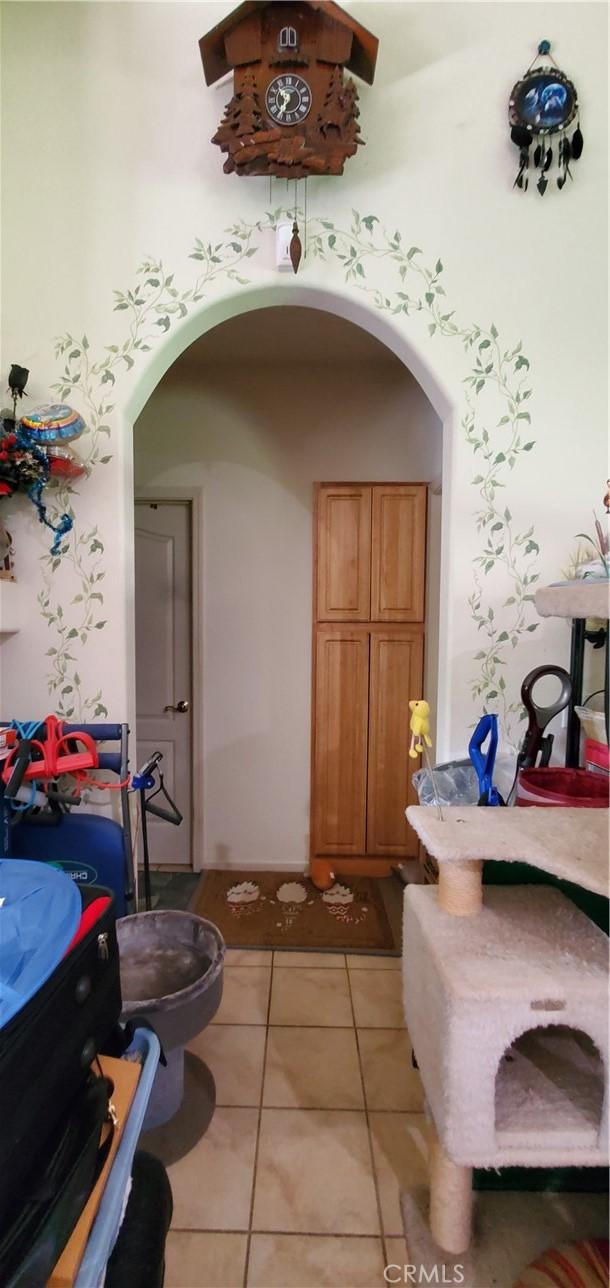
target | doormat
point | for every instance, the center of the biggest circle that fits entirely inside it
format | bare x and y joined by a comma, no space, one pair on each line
267,910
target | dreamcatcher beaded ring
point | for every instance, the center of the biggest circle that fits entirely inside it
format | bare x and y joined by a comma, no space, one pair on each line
543,107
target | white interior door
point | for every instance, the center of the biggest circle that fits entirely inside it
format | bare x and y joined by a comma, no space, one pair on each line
164,663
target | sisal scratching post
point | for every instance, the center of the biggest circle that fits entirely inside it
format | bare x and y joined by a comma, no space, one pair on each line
450,1201
460,887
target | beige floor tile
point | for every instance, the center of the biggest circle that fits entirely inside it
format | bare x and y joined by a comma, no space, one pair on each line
212,1184
400,1151
235,1054
312,1068
248,957
196,1260
310,996
312,960
396,1256
245,995
377,998
368,961
390,1081
314,1173
314,1261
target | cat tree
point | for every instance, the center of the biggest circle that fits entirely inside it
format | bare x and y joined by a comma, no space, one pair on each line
506,1002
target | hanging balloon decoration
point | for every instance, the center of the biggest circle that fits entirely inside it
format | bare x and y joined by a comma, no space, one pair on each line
33,452
544,117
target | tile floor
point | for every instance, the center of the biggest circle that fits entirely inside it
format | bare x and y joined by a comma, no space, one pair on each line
318,1125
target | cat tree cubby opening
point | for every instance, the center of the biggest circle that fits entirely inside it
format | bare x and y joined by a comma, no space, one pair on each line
549,1085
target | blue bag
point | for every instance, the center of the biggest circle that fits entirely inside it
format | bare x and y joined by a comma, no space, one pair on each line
40,910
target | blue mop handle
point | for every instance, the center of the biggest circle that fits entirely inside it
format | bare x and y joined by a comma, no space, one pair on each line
484,762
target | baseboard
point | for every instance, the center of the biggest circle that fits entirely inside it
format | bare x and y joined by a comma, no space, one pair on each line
253,865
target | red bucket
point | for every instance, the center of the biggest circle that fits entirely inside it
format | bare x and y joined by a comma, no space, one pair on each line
597,756
570,788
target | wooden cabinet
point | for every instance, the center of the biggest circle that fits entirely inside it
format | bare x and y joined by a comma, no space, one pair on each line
343,554
369,569
398,556
396,666
340,740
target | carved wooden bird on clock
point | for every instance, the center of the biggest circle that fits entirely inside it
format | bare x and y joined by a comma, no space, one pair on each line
292,113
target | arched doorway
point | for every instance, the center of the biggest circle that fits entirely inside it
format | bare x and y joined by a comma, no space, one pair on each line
242,423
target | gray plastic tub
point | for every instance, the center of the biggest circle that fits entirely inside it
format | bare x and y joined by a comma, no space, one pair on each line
172,974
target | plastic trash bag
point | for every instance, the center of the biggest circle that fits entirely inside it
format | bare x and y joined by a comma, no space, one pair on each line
456,783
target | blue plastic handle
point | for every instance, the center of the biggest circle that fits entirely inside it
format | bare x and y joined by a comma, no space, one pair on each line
484,762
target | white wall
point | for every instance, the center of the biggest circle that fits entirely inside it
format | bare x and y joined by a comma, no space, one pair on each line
255,434
106,160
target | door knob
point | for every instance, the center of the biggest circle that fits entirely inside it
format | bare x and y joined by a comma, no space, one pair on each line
181,707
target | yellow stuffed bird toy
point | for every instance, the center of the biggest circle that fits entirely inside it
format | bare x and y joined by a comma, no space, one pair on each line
419,725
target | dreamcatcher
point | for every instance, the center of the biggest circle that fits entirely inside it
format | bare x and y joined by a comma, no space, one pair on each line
543,107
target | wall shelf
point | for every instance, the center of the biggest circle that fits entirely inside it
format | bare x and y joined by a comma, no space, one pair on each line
583,598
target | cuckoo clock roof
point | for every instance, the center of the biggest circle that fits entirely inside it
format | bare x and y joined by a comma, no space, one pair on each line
218,59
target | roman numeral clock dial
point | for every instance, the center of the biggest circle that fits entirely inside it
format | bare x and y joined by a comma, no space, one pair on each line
288,99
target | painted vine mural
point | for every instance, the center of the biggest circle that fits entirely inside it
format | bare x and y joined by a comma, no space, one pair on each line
497,378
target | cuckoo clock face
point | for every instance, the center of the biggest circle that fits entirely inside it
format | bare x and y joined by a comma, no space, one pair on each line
293,112
288,100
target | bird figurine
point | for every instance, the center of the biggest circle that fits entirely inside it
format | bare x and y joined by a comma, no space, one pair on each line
419,725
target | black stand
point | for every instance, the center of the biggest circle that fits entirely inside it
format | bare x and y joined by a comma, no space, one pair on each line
143,781
581,636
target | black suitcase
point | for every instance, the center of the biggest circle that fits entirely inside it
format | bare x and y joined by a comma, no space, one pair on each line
46,1050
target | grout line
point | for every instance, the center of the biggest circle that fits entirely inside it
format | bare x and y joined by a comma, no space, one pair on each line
295,1234
282,965
258,1130
328,970
298,1024
323,1109
368,1128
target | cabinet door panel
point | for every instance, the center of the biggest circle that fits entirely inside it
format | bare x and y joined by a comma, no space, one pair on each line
344,554
398,553
340,740
396,670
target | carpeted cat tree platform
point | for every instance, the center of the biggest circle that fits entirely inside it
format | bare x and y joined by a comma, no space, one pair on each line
506,1002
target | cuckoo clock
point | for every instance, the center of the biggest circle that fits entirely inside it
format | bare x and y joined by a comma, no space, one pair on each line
293,112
